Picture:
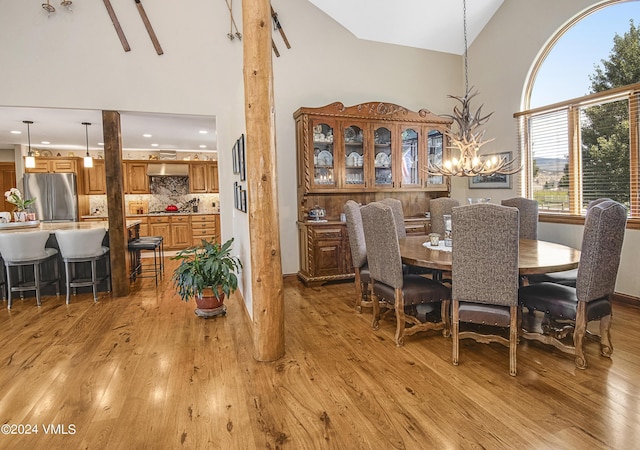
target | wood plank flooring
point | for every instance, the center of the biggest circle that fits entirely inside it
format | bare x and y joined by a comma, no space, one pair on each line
143,372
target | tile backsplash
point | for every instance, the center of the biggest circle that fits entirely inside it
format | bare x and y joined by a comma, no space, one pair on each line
158,202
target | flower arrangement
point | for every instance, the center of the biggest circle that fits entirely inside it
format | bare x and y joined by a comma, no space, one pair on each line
14,196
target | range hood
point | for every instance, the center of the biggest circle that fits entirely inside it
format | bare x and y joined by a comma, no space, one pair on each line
167,170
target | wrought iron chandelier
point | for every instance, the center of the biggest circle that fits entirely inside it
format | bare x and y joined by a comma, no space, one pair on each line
468,139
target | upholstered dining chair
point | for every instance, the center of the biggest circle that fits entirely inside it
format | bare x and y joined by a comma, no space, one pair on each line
358,253
565,277
398,215
438,208
485,275
402,292
568,310
528,215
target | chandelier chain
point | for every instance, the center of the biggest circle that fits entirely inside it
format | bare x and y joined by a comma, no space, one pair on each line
464,25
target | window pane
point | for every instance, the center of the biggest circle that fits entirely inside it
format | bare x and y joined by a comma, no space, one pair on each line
604,130
549,138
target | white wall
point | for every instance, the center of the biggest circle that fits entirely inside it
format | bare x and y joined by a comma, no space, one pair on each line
500,60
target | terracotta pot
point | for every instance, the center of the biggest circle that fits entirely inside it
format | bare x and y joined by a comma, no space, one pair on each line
207,300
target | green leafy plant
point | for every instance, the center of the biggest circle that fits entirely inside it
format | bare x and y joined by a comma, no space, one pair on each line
207,265
14,196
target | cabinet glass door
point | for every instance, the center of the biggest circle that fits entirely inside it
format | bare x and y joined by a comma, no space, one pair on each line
410,157
435,152
383,161
323,156
354,174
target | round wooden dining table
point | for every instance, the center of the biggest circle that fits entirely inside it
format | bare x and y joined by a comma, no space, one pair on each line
535,257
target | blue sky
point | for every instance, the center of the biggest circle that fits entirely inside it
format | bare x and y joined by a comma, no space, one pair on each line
565,72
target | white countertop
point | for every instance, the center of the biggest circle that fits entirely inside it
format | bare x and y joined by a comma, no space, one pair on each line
53,226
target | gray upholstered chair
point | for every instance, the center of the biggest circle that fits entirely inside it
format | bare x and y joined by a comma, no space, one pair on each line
566,277
528,215
358,253
402,292
398,215
438,208
568,310
485,274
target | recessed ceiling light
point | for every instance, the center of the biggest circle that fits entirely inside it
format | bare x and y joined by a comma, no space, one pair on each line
203,131
154,145
203,146
45,142
101,144
16,132
147,135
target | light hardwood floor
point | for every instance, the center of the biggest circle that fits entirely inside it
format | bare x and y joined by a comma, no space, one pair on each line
144,372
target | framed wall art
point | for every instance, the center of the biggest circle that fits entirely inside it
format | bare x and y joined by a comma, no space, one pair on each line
497,181
236,162
241,158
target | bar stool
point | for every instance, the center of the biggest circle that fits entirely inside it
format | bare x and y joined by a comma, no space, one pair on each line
83,246
27,249
159,239
136,246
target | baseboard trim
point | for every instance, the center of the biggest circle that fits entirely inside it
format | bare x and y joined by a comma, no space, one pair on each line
626,299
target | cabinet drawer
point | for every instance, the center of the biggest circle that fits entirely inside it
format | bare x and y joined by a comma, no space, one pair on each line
200,225
203,232
326,232
179,219
203,218
158,219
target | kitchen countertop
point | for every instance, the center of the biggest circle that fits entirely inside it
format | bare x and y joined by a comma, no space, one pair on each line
54,226
104,216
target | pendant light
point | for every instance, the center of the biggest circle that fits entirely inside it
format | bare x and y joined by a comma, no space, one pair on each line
88,160
468,140
30,160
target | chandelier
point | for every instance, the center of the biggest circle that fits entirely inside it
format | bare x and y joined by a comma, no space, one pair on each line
468,139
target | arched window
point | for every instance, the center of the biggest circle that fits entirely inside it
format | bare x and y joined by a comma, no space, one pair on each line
580,129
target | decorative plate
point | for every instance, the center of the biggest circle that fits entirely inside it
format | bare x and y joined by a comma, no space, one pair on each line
71,154
317,129
349,134
382,160
325,158
46,153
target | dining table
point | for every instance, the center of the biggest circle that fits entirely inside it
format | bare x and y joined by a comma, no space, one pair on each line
535,256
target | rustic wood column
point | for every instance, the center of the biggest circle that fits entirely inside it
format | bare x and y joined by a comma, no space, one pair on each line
115,203
266,264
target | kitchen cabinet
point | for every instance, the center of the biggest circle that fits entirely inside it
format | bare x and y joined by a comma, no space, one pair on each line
54,165
136,180
364,153
203,177
180,232
205,226
95,180
174,229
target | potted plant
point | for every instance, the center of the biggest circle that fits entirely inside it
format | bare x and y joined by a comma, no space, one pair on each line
208,273
14,196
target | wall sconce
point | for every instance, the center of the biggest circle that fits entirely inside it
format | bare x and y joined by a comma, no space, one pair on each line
30,160
88,160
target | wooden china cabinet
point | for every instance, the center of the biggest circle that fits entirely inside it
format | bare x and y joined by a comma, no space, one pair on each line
364,153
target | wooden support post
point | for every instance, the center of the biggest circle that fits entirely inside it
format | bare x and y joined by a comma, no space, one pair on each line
266,264
115,203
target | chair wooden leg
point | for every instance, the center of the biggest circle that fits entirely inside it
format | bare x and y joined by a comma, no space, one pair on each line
375,323
358,282
606,347
513,339
454,325
400,321
578,335
445,317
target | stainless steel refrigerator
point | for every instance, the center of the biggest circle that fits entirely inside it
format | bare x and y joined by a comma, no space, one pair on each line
55,194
